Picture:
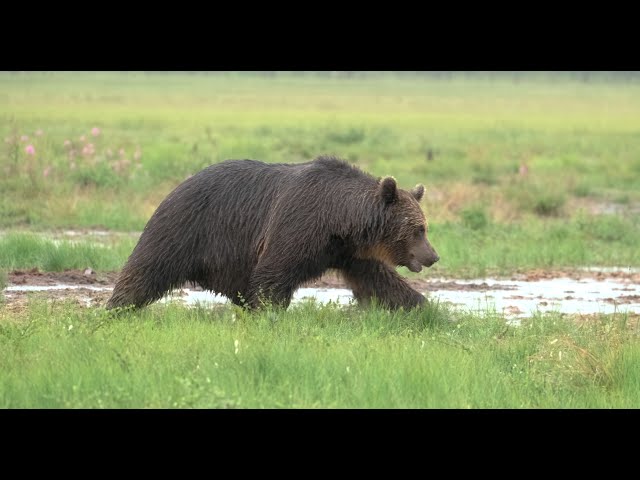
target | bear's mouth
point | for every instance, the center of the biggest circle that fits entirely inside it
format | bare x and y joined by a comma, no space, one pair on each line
414,266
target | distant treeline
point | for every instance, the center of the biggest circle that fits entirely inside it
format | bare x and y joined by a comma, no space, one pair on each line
584,76
515,76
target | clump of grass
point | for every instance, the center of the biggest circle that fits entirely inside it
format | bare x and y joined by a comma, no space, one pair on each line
349,136
474,217
484,174
536,197
100,175
582,190
622,198
548,203
582,356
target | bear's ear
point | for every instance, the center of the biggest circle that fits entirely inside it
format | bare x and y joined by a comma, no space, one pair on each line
388,189
418,192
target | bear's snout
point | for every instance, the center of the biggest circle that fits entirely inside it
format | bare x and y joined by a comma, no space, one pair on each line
422,255
432,260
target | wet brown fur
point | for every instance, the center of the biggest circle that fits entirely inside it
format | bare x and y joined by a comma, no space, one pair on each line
252,231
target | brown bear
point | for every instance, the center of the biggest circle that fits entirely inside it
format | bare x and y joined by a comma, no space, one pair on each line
255,232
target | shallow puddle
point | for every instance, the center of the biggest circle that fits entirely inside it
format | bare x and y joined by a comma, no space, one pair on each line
515,299
518,299
340,296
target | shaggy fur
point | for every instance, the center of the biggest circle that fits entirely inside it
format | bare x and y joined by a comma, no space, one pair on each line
253,231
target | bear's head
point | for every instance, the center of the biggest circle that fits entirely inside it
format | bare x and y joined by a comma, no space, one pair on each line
405,236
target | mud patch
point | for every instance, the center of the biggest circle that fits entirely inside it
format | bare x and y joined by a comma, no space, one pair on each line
333,280
624,299
523,295
17,298
34,277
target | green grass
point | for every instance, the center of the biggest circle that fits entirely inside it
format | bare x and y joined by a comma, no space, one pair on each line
27,250
474,247
58,355
500,249
466,250
3,283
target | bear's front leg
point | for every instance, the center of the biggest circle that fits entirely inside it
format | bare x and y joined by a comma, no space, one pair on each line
373,279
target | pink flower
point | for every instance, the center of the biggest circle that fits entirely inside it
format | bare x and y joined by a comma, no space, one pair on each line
88,149
30,150
24,138
67,143
524,170
95,131
39,132
46,171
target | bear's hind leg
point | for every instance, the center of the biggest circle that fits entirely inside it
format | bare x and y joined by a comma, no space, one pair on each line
138,289
275,284
231,285
267,290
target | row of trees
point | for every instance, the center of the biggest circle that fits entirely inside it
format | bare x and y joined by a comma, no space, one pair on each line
585,76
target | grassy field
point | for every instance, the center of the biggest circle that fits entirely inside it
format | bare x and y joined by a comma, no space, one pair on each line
521,172
62,356
518,174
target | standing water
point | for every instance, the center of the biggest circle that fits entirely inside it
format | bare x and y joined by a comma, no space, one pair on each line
511,298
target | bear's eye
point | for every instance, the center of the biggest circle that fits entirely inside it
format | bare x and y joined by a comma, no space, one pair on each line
421,230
